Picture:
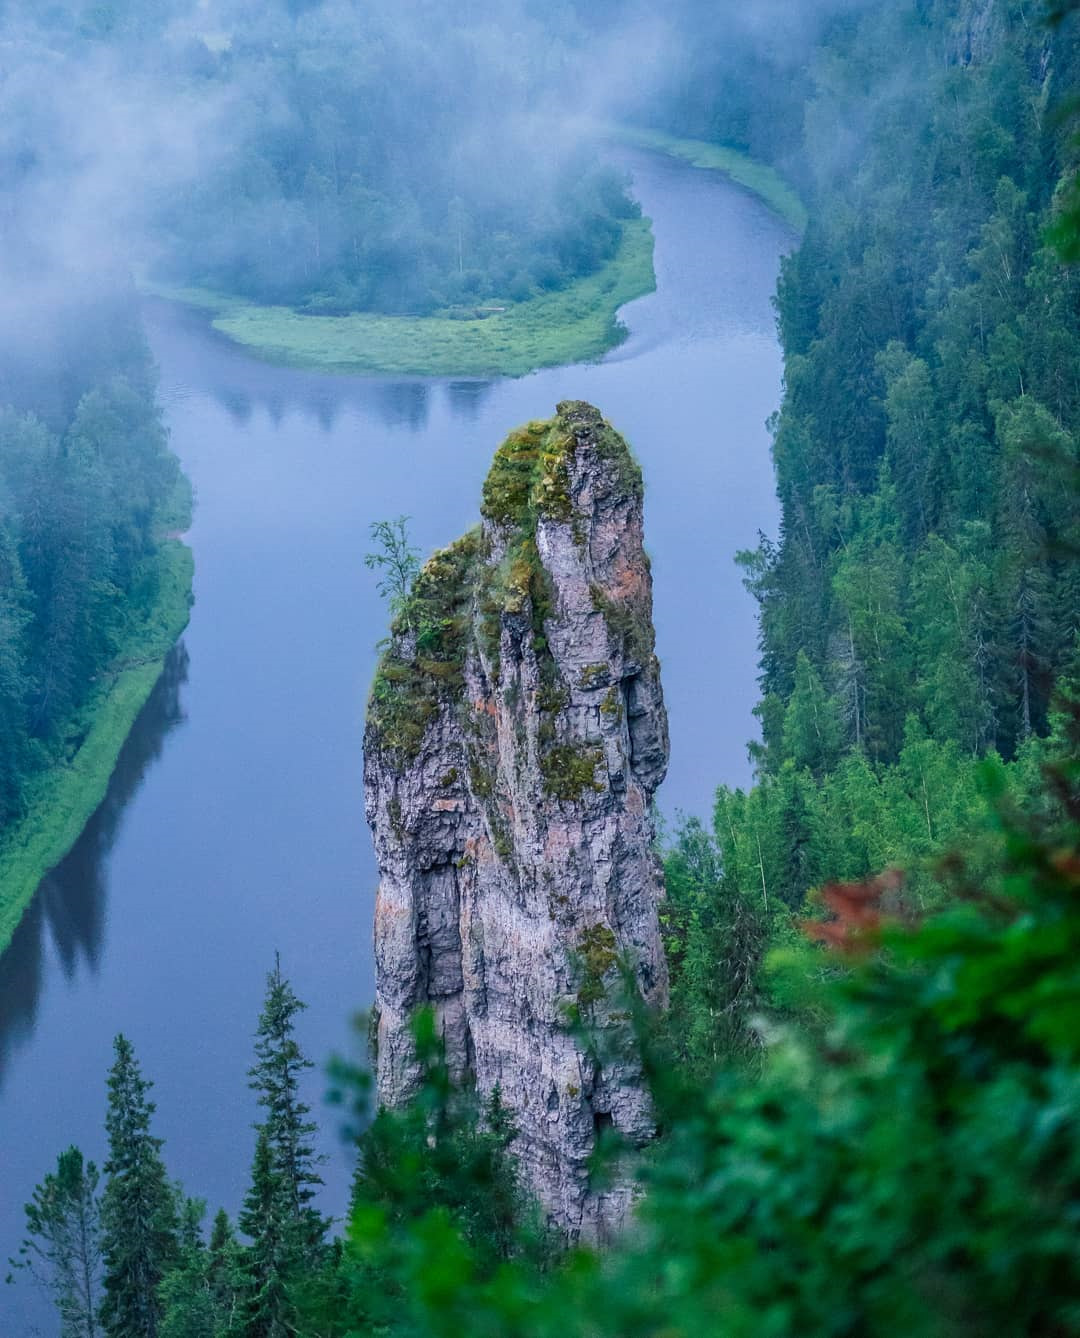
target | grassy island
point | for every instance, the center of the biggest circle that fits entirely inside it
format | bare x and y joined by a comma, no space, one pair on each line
578,323
573,324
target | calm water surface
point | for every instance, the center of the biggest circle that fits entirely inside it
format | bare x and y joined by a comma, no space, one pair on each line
234,825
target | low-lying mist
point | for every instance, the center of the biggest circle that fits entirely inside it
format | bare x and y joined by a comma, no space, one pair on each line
337,156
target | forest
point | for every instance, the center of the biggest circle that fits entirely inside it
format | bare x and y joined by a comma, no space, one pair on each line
868,1083
919,608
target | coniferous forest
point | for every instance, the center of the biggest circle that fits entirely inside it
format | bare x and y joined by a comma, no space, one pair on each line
867,1084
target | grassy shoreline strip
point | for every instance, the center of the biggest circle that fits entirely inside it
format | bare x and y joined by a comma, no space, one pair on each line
66,796
575,324
758,178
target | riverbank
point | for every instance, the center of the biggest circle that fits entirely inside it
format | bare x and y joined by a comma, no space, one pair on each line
65,796
575,324
756,177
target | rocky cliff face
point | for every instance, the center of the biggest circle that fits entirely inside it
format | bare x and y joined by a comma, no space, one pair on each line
976,31
516,733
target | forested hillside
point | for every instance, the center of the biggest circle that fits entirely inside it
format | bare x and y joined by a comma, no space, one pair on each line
921,600
924,450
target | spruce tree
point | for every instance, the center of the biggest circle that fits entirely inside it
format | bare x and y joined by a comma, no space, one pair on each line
140,1234
812,728
227,1276
186,1299
62,1249
287,1233
266,1309
288,1131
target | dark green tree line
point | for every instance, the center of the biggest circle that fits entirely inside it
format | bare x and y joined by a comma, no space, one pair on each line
921,601
87,488
133,1261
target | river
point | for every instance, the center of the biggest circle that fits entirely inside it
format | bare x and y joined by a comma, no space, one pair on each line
234,825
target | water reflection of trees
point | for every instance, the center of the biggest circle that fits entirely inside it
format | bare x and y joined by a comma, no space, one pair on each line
69,909
466,398
200,358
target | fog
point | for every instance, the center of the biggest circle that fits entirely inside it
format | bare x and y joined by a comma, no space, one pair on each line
343,156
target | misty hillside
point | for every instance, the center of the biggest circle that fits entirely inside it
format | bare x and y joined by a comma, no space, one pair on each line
398,164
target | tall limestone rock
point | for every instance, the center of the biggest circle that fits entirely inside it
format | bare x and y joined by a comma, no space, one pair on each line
516,733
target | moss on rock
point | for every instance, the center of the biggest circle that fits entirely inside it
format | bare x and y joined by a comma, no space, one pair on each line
594,676
423,665
569,770
627,623
597,955
612,706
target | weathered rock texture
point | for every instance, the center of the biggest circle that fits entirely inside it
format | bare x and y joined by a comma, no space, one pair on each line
976,31
516,733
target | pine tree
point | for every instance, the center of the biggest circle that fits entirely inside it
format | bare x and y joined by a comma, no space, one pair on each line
276,1078
912,447
62,1249
1025,579
812,729
286,1231
795,831
950,600
138,1211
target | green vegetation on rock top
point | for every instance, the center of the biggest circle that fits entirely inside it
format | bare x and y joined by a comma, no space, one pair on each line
529,480
422,666
529,477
